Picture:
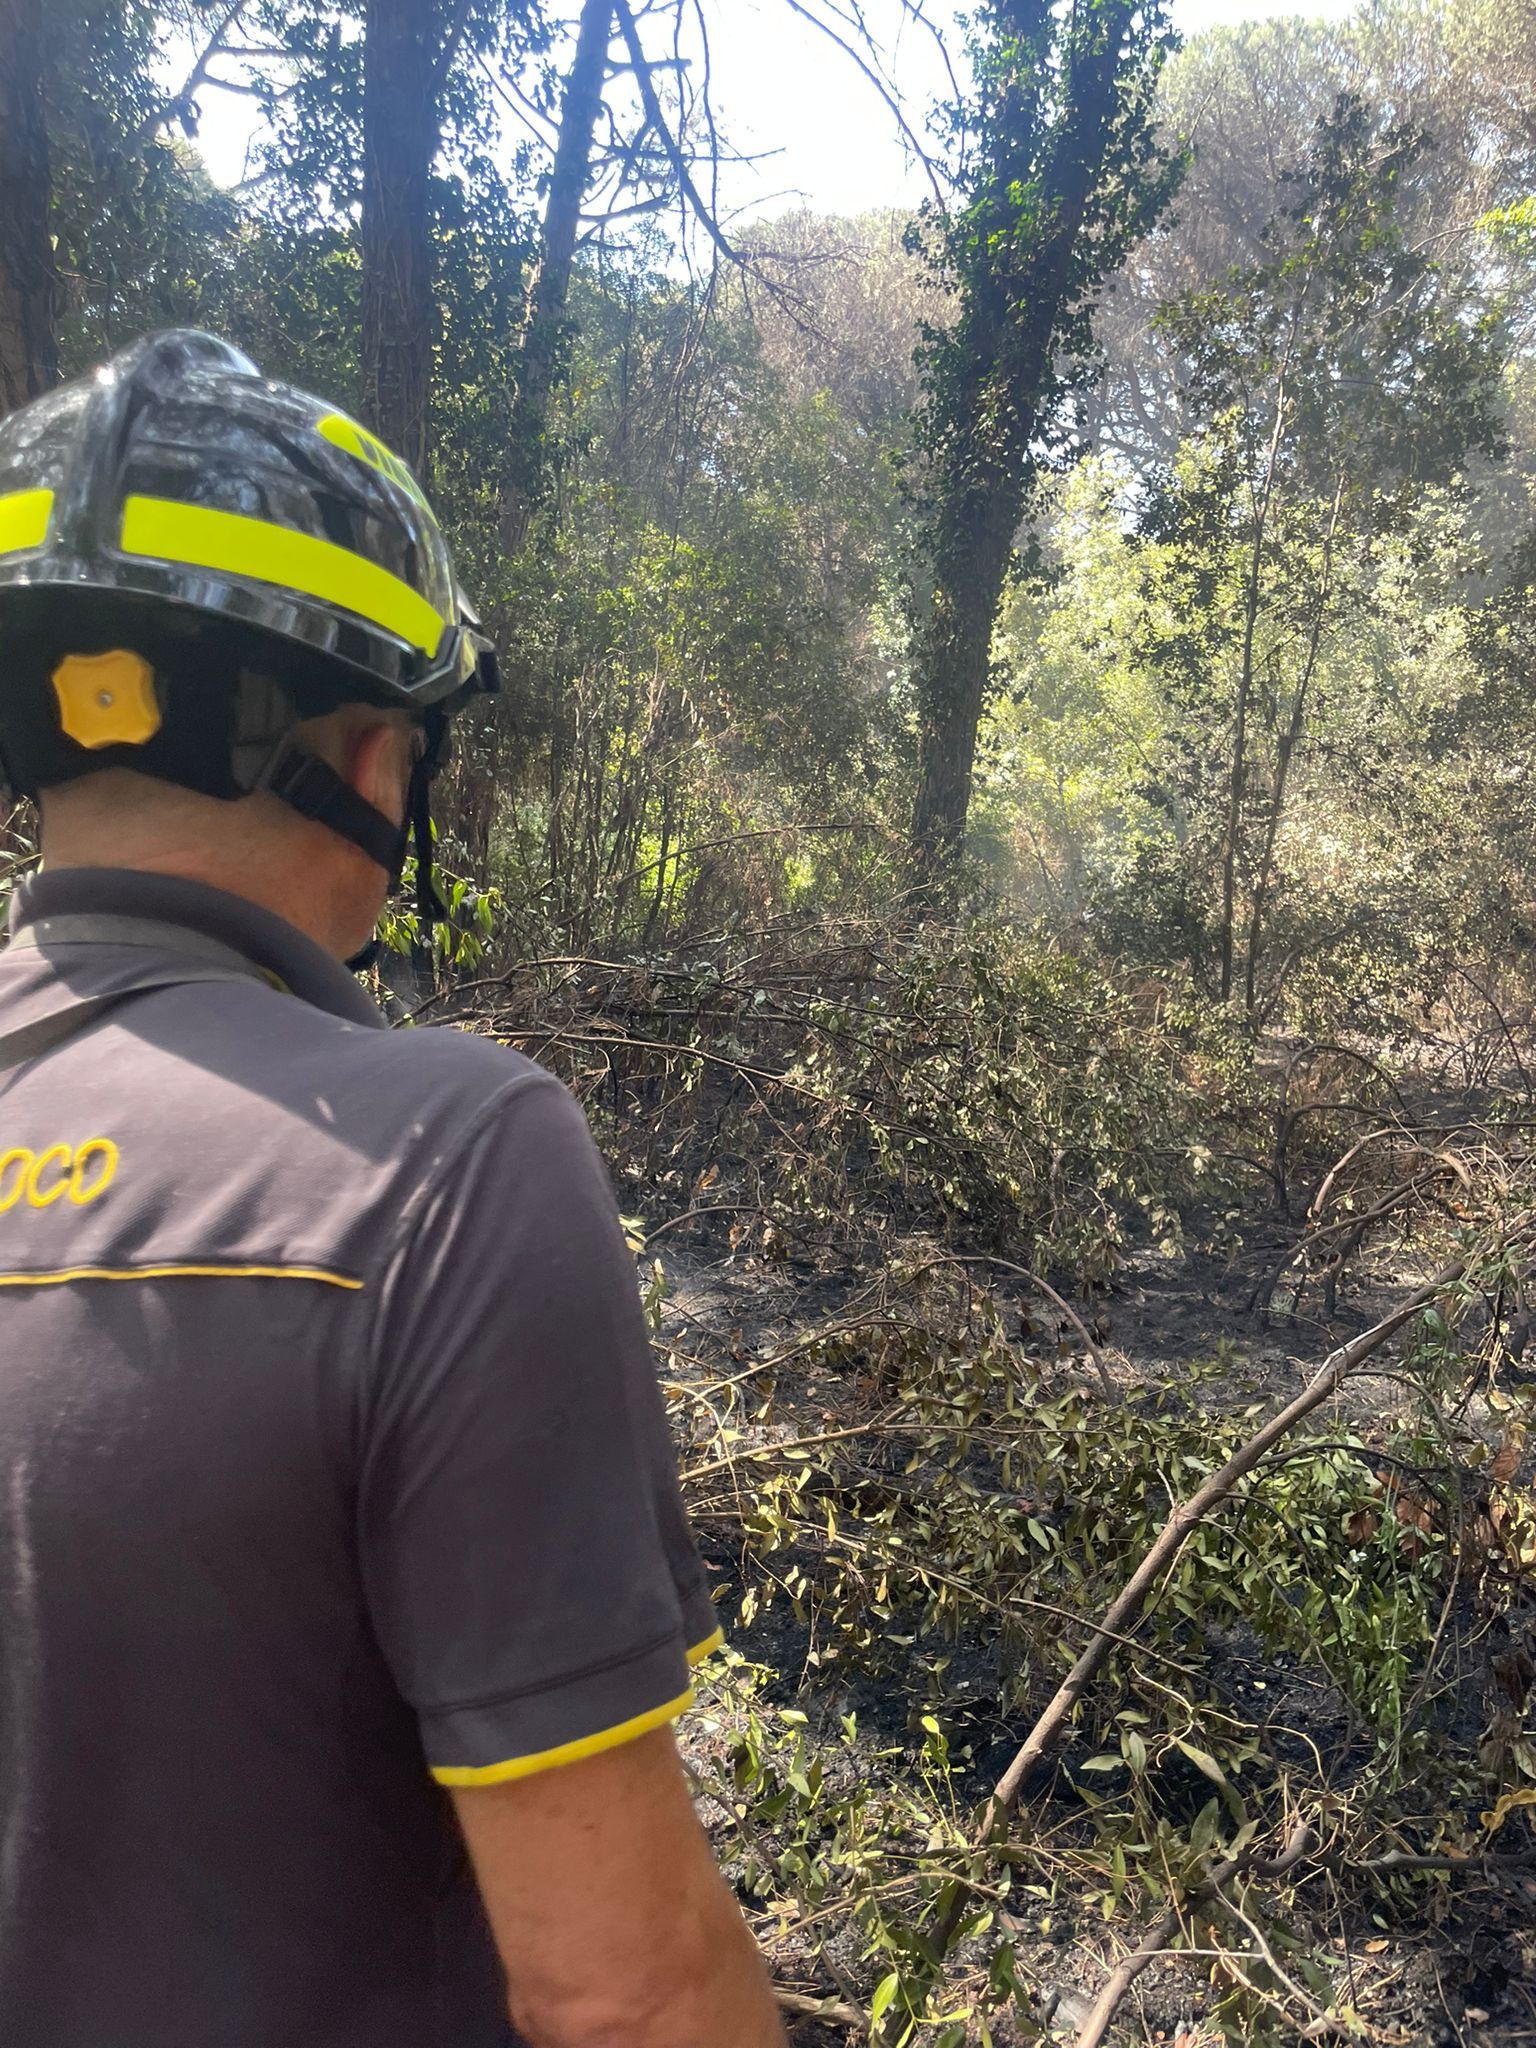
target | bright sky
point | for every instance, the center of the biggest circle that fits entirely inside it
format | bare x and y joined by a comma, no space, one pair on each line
783,86
783,89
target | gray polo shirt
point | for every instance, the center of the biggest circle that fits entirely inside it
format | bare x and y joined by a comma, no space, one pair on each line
332,1462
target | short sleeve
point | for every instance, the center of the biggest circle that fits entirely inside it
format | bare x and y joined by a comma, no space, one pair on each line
526,1558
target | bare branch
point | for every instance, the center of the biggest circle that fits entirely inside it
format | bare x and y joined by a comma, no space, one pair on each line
882,86
676,155
1120,1980
832,2011
541,125
1126,1609
199,75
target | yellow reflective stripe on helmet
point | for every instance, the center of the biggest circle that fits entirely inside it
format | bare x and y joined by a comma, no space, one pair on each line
159,529
24,517
347,434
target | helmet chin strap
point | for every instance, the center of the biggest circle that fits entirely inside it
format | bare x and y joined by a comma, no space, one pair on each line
313,789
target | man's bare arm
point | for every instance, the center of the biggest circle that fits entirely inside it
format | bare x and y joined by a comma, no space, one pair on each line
615,1927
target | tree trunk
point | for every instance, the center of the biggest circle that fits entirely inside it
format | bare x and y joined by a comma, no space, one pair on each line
543,336
1253,602
1024,272
954,664
29,283
401,137
1285,755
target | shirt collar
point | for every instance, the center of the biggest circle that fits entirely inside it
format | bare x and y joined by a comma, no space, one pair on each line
273,944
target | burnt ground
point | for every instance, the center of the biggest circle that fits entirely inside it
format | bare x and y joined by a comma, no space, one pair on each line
1468,1982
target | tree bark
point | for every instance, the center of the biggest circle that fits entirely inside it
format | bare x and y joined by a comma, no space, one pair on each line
401,137
955,662
1253,604
29,281
543,336
1012,309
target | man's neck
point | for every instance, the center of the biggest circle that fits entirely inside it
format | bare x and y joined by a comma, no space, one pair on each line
252,881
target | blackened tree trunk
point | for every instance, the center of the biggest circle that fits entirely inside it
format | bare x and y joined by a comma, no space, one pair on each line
29,284
401,136
544,335
1068,176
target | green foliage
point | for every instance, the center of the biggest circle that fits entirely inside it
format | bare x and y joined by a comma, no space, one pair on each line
1062,173
1024,276
849,1082
1243,729
1005,1092
1388,364
1302,1661
1513,227
1264,732
459,939
143,239
692,668
298,298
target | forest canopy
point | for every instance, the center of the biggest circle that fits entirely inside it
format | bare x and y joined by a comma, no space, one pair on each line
1268,483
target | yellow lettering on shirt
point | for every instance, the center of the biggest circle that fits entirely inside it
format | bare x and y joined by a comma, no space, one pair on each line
96,1156
83,1172
42,1191
14,1168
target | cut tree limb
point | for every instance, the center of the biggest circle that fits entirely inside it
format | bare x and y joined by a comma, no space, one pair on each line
835,2012
1125,1612
1301,1849
1122,1616
1124,1975
1106,1384
1126,1609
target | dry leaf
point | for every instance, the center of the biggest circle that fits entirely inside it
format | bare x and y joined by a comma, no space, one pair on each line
1414,1513
1508,1803
1507,1463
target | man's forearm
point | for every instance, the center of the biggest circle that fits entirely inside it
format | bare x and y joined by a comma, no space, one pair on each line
614,1924
731,2005
722,2000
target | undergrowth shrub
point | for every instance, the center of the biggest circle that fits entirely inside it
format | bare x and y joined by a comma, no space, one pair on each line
1004,1091
838,1085
1347,1644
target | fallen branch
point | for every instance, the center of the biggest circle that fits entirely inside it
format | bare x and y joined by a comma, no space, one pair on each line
1040,1286
1125,1611
1397,1860
1124,1975
1301,1849
835,2012
779,1449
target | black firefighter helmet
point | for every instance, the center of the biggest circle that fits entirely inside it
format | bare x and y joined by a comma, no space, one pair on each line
193,559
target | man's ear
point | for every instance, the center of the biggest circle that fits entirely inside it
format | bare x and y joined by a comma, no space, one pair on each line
379,767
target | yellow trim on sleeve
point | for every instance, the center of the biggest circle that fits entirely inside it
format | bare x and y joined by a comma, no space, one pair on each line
68,1273
24,517
707,1648
567,1753
160,529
